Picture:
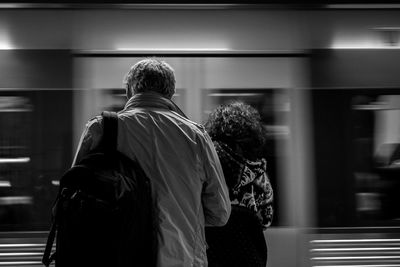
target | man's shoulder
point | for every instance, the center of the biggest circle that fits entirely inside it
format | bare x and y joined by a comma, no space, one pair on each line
94,121
94,126
179,121
144,113
192,124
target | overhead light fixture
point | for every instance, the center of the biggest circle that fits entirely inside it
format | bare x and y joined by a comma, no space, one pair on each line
171,49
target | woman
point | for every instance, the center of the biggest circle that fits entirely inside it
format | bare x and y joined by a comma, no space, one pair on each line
239,138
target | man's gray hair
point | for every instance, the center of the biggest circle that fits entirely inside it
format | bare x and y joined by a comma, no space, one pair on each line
151,74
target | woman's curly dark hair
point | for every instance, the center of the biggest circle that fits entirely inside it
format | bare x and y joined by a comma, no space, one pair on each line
239,126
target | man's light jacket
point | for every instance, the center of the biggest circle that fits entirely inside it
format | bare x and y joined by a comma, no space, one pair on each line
178,156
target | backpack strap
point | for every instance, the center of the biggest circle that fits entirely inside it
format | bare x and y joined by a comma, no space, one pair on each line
48,256
110,130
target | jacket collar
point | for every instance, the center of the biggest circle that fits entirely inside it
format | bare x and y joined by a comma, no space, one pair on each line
152,100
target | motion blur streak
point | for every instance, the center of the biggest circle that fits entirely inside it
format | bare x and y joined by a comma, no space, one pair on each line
356,258
351,249
15,160
366,252
378,265
354,240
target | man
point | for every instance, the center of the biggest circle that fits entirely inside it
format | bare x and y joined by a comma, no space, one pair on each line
177,155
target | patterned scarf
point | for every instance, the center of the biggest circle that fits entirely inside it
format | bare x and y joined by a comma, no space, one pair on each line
248,183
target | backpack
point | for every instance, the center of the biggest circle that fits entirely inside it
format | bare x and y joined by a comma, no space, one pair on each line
103,214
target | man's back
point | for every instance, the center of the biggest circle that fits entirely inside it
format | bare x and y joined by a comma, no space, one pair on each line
169,149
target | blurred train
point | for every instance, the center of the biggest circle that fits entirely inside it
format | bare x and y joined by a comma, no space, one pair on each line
325,81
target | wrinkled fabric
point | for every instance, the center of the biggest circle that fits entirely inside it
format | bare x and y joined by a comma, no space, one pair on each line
248,183
178,156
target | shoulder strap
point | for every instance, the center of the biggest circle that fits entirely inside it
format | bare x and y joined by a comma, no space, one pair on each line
110,130
109,143
48,257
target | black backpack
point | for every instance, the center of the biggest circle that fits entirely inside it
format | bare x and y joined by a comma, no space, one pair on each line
103,214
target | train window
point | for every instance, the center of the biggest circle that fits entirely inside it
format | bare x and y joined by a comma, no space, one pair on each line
32,155
357,151
377,151
15,159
